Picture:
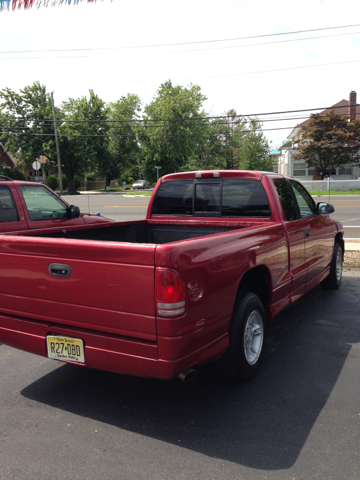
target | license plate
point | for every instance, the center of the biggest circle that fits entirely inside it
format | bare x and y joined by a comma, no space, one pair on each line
66,349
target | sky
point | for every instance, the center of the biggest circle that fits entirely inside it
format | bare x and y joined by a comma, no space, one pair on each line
124,46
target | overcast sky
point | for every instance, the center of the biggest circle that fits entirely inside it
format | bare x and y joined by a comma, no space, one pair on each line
251,79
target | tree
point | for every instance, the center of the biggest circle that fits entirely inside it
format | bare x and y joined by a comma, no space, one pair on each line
171,143
83,137
255,150
27,119
328,141
219,144
124,148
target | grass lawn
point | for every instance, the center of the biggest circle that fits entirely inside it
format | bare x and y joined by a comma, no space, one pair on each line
138,192
353,191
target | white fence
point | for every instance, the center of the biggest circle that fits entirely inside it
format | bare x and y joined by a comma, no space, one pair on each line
323,185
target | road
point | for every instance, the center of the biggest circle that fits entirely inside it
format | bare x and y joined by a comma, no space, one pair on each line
298,419
120,207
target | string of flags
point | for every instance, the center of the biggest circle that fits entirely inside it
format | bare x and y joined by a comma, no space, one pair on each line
27,4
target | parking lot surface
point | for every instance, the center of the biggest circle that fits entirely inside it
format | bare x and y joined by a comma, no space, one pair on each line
298,419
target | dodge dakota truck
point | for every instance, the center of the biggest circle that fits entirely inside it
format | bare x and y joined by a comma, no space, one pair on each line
219,254
29,205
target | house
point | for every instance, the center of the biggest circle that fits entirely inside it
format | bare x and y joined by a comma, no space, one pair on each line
31,174
298,168
6,159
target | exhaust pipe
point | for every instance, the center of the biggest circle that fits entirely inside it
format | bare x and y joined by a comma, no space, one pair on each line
187,375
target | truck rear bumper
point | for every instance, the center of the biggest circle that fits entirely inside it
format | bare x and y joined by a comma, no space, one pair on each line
110,352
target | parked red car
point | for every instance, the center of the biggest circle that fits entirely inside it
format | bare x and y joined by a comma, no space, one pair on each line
29,206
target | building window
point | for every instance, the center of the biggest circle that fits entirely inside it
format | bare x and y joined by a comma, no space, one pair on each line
344,171
299,170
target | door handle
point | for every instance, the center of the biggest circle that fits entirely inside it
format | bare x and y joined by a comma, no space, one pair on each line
60,270
307,233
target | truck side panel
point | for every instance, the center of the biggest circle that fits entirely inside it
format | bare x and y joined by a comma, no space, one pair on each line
212,268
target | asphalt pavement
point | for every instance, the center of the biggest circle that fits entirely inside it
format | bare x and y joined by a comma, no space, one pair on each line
299,419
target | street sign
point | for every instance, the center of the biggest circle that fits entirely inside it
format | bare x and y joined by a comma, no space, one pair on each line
158,168
36,165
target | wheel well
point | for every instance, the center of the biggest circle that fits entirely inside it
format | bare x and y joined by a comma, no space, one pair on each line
256,281
339,239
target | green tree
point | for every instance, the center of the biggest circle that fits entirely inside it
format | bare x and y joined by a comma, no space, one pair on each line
255,150
219,144
171,143
328,141
27,118
83,137
124,148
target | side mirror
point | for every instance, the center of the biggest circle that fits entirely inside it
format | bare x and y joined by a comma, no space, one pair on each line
325,208
74,211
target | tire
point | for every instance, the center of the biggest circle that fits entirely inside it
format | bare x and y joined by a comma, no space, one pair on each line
246,339
333,280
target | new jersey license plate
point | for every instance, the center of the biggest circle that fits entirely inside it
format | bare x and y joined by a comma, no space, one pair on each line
66,349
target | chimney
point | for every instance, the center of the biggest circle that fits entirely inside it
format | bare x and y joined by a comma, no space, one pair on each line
352,106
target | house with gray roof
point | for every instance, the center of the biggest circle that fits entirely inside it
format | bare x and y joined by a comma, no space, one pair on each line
298,168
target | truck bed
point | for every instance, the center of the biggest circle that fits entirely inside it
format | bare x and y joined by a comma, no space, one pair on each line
141,232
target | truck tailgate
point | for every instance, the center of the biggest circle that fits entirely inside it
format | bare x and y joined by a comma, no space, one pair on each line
110,286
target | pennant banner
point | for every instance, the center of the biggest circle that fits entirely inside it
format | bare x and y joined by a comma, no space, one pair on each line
26,4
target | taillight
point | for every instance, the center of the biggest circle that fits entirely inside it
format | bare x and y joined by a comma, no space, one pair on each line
170,295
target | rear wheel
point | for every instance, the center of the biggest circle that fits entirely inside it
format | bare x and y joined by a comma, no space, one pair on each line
246,339
333,280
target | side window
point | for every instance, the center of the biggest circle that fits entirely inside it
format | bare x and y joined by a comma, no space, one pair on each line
41,204
8,211
243,197
305,202
286,199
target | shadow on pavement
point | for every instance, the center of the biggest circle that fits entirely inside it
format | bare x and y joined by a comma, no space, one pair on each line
261,424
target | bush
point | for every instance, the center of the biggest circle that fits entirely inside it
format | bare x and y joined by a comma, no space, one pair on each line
130,180
14,174
77,183
52,182
91,177
64,182
19,174
7,172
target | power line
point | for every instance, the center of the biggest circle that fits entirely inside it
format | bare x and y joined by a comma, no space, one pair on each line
139,135
176,51
262,43
219,122
257,72
179,43
191,119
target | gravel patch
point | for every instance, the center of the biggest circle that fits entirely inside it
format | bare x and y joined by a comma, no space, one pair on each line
351,259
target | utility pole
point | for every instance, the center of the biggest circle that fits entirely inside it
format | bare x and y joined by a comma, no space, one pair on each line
138,162
57,144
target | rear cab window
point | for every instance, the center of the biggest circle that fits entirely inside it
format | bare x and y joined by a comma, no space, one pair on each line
228,197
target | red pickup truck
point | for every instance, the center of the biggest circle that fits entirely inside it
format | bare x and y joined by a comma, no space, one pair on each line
219,254
28,206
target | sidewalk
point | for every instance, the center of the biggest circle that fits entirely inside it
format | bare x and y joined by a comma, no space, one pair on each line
352,247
